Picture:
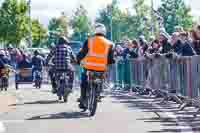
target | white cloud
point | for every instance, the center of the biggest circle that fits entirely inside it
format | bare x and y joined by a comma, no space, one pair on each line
45,9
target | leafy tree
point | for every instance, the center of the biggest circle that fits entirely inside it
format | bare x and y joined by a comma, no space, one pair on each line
124,23
57,26
13,21
142,20
39,33
80,24
175,12
113,16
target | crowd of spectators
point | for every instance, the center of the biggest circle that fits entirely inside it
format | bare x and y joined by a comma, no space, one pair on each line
182,43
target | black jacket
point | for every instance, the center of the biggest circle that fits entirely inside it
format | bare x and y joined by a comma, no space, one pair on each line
166,47
81,55
183,49
133,53
37,62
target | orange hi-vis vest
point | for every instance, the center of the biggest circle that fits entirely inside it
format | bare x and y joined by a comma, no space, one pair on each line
97,57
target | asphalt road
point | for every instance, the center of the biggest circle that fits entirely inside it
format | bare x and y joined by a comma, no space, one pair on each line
38,111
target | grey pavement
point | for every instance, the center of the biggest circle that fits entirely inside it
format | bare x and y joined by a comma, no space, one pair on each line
38,111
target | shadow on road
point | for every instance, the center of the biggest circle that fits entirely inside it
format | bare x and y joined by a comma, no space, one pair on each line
63,115
169,124
38,102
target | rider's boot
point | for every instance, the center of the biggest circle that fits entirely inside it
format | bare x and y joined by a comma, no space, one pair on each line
82,105
59,98
66,95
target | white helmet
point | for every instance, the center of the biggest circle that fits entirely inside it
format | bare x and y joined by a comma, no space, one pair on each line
100,29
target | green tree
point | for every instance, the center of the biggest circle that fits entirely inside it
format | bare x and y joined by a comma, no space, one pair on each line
175,12
125,24
13,21
57,26
39,33
80,24
142,18
112,16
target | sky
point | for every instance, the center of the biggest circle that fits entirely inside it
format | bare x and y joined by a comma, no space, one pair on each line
46,9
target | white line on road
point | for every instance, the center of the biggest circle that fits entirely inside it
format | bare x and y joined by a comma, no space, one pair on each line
2,127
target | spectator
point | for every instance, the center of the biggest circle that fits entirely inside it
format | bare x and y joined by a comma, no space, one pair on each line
179,29
195,34
131,51
181,45
155,46
3,59
164,42
25,63
19,56
135,49
143,45
118,51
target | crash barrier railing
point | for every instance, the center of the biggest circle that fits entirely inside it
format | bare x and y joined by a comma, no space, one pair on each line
176,75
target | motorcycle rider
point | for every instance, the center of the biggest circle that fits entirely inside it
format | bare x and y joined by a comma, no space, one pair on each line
96,54
63,57
37,63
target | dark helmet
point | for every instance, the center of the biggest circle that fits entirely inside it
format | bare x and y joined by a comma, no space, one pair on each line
36,52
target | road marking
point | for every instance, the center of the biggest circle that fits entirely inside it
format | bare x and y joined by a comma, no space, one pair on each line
2,127
13,121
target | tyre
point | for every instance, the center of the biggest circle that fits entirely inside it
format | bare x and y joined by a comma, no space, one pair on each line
66,94
92,101
16,86
40,83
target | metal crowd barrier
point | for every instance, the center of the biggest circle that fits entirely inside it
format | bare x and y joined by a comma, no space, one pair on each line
179,75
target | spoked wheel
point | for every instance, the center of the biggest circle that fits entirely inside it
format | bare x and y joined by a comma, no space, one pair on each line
92,100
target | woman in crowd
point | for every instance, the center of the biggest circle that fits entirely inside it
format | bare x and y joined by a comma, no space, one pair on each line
155,46
195,35
181,45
